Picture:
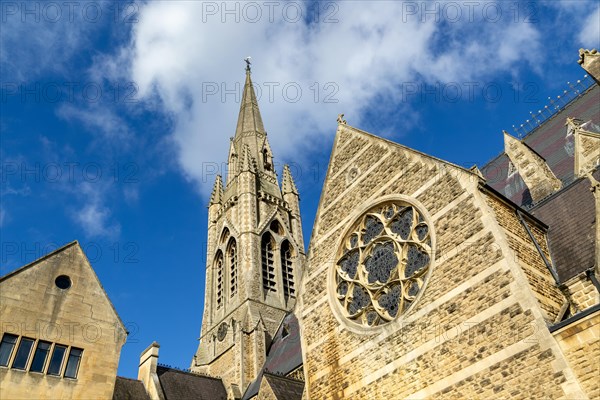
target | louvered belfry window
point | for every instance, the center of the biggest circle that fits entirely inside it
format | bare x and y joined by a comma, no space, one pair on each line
268,267
287,270
219,270
233,267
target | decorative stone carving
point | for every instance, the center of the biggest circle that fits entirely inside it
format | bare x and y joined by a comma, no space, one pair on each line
383,263
590,61
222,332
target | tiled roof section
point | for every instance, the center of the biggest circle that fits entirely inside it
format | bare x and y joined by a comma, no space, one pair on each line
570,215
285,388
551,143
285,353
180,385
129,389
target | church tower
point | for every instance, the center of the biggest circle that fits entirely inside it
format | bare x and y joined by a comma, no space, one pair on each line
255,255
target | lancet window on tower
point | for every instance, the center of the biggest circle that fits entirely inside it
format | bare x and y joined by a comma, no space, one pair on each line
287,270
219,280
232,255
268,267
268,160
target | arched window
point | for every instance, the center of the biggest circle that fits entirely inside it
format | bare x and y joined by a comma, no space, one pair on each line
268,268
267,160
219,280
275,227
224,235
287,270
232,258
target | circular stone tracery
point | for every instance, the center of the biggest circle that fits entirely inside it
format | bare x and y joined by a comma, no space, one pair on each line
383,263
222,331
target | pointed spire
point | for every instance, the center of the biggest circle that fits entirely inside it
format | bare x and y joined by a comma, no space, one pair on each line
287,184
247,161
249,119
217,194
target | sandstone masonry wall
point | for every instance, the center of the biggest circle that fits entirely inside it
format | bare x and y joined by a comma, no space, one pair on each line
580,343
479,329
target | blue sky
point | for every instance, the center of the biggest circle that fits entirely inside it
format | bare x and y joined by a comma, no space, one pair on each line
115,118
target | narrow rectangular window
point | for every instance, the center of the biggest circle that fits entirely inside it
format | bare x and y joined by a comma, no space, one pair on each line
6,348
220,288
233,268
23,353
40,356
57,359
73,363
268,269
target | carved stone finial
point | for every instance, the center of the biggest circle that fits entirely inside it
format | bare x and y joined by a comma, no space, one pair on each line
477,171
341,120
583,53
574,122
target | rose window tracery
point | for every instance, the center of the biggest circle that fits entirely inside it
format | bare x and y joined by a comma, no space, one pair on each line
383,263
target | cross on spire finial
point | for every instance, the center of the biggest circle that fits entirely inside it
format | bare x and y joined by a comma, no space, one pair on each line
248,63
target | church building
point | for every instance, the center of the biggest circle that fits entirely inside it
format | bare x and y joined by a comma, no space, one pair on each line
423,279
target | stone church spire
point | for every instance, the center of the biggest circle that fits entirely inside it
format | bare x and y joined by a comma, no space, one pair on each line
250,149
250,129
255,255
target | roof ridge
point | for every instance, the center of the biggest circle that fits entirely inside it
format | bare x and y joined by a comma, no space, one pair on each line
555,115
129,379
40,259
183,371
87,262
428,156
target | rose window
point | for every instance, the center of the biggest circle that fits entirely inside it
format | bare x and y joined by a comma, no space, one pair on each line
383,263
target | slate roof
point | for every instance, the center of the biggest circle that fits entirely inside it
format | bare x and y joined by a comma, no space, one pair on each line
285,388
129,389
284,356
570,215
181,385
551,142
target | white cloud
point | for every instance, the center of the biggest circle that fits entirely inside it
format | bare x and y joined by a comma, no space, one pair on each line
358,53
94,217
85,190
589,36
98,118
181,49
